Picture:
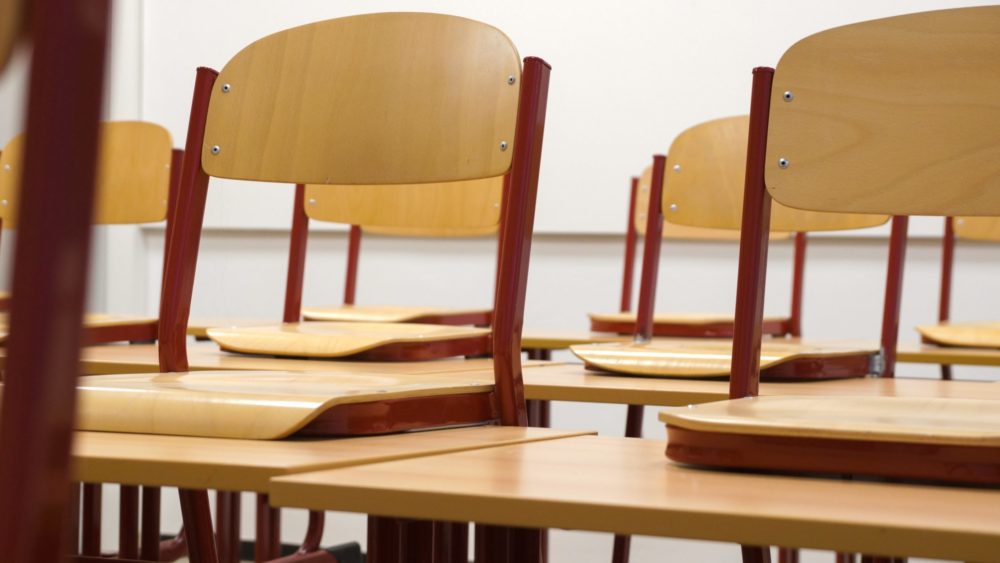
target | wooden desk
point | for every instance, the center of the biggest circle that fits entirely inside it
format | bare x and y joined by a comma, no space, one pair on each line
571,382
627,486
142,358
915,353
247,465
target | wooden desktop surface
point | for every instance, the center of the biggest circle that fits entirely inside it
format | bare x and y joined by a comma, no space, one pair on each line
247,465
630,487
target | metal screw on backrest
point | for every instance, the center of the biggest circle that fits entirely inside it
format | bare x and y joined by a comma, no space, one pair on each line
3,202
6,167
788,96
782,163
312,201
673,208
216,149
503,145
226,88
511,80
677,168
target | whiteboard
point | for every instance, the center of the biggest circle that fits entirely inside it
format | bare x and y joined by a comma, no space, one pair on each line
627,77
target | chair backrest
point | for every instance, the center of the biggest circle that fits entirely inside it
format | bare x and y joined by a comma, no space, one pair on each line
897,115
703,184
133,174
452,209
351,101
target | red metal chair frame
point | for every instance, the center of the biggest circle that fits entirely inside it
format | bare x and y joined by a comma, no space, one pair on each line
50,275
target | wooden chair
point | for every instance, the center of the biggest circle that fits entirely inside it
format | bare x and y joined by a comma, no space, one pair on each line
867,118
691,325
50,266
712,154
136,170
977,334
402,121
458,209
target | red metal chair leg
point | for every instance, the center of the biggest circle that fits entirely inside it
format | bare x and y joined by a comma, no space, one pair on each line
149,542
174,548
268,542
755,554
384,541
227,526
633,429
73,519
788,555
91,533
451,542
128,522
198,526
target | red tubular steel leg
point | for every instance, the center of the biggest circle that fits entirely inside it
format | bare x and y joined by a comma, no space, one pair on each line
745,372
353,253
268,533
451,542
73,520
176,162
788,555
174,548
227,526
91,541
296,257
508,319
651,253
128,522
384,540
798,274
149,544
947,267
185,234
50,276
198,526
629,265
893,294
633,429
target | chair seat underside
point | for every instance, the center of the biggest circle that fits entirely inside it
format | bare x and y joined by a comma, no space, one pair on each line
984,334
691,325
398,314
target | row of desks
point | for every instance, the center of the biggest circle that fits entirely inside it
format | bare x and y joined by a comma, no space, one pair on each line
533,477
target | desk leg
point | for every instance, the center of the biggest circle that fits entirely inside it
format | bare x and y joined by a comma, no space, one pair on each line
451,542
73,519
384,541
788,555
633,429
268,542
500,544
755,554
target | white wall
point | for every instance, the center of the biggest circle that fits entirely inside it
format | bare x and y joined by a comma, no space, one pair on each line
627,77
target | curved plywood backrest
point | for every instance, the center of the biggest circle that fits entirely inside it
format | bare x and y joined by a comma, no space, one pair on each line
977,228
392,98
133,174
899,115
704,177
450,209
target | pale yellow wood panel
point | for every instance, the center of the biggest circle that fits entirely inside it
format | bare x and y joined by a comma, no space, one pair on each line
672,318
673,230
977,228
448,209
966,422
332,340
247,465
240,404
133,174
984,334
558,340
930,354
365,106
630,487
569,382
898,115
91,320
378,313
700,357
704,181
143,358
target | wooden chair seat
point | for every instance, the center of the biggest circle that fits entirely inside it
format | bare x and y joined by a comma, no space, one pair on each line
681,325
918,438
983,334
378,341
398,314
264,405
676,357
